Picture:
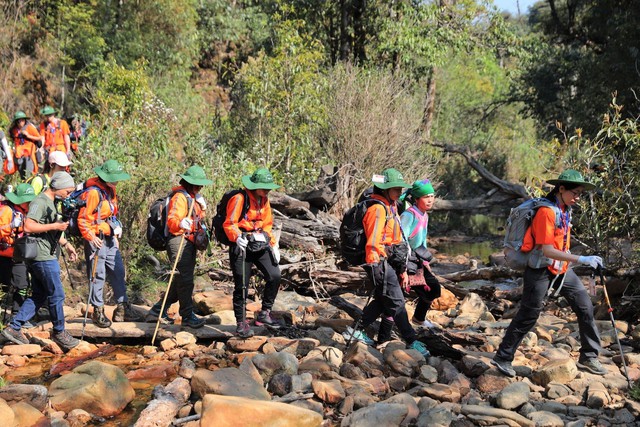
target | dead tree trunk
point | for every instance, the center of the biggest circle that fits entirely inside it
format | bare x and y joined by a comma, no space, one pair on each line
167,401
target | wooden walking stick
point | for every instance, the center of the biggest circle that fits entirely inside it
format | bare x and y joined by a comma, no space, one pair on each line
173,271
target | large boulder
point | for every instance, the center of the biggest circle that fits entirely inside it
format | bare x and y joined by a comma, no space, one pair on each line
270,364
34,395
6,413
98,388
227,382
27,415
236,411
209,302
559,371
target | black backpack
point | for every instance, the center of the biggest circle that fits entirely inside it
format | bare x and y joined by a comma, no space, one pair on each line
352,237
157,233
73,203
221,215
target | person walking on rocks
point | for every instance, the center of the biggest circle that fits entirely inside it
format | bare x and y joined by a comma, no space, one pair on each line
414,222
253,243
13,273
386,255
56,132
27,141
185,221
101,230
43,223
550,231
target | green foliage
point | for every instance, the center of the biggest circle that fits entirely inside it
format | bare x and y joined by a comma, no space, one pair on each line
121,90
3,382
634,392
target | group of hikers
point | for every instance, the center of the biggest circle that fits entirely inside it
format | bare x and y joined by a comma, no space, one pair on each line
396,258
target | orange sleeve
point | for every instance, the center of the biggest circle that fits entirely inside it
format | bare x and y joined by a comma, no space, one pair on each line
89,214
543,226
374,223
32,132
234,209
6,215
64,127
177,210
267,223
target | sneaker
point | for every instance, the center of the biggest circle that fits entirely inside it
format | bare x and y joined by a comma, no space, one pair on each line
504,366
419,345
193,321
425,324
154,312
243,330
125,313
592,365
357,335
65,340
99,319
264,318
15,335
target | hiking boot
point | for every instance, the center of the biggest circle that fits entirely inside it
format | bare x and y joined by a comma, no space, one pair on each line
15,335
65,340
99,319
504,366
125,313
243,330
154,312
264,318
357,335
419,345
193,321
592,365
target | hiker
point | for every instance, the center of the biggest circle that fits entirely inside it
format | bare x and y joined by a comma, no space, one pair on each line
253,243
56,132
27,141
414,222
78,131
101,230
42,223
386,262
552,236
13,273
185,232
57,162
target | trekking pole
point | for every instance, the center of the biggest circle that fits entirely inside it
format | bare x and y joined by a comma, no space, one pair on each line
613,322
94,267
357,323
173,271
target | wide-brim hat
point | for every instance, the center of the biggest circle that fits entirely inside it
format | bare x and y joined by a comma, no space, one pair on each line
111,171
24,193
261,179
195,176
48,110
59,158
19,115
390,178
571,176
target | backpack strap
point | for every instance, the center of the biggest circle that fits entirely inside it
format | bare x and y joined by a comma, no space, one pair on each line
423,220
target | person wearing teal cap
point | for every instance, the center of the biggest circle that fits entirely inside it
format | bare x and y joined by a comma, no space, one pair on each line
550,230
186,228
415,221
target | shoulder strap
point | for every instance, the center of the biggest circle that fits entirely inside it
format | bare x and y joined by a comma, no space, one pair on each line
423,220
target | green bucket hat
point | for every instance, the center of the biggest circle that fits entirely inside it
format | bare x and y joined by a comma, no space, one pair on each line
19,115
261,179
571,176
421,187
24,193
390,178
195,176
111,171
48,110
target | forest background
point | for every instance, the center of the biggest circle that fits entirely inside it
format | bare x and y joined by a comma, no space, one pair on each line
362,85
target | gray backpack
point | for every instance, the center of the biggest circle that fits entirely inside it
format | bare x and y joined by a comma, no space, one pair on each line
518,222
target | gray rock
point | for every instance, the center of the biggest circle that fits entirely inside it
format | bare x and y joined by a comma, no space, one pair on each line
513,395
301,383
556,390
597,395
309,404
380,414
271,364
327,337
472,366
447,372
280,384
352,372
409,401
530,340
35,395
561,371
426,403
623,416
438,416
546,419
428,374
526,409
555,407
187,368
583,411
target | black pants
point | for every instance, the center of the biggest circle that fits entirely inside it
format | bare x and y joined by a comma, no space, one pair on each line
14,275
182,285
388,301
425,298
264,261
536,284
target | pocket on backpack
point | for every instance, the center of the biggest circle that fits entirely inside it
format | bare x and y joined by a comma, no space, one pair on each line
25,248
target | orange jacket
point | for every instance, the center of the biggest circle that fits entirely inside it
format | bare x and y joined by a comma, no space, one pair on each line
382,228
54,135
258,217
7,233
178,209
91,217
25,142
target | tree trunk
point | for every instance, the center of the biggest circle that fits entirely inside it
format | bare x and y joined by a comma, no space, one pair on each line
429,106
345,38
166,403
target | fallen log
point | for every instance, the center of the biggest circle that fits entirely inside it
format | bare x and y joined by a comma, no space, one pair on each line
486,273
69,364
167,401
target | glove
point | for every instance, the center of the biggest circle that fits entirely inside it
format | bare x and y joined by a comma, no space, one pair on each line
17,221
592,261
242,243
186,224
117,232
276,253
200,200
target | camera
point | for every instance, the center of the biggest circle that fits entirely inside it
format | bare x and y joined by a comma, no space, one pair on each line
69,206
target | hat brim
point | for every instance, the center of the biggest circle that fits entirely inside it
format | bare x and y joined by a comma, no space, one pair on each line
392,184
246,181
111,177
18,200
196,181
587,185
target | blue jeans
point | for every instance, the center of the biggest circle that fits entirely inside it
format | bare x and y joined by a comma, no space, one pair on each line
110,266
45,283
